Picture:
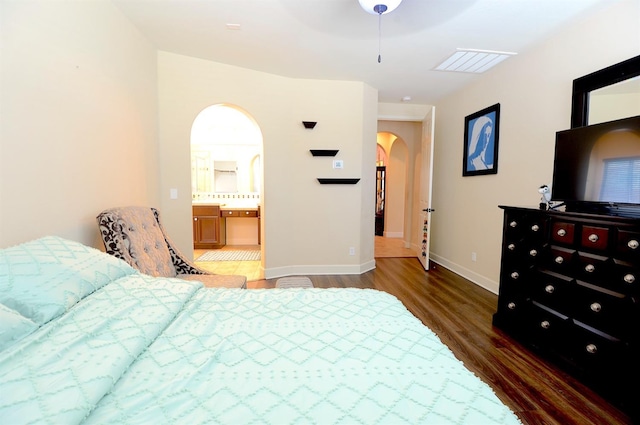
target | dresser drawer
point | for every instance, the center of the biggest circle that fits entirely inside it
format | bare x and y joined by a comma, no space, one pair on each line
593,268
551,289
548,327
595,238
523,252
561,260
512,306
625,277
563,232
602,309
531,227
598,353
628,244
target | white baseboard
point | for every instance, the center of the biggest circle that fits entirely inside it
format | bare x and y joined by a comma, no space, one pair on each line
474,277
276,272
397,235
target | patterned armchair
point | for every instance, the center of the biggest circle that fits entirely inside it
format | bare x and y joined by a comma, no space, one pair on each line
135,235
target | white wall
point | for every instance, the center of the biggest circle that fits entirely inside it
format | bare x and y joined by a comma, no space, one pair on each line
79,118
534,90
306,227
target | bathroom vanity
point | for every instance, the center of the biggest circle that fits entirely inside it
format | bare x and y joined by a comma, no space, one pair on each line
211,222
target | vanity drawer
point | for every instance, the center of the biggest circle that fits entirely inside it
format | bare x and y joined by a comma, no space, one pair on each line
239,213
206,210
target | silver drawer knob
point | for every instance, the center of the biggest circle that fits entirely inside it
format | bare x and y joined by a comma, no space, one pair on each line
561,232
515,275
596,307
511,306
591,348
195,218
633,244
559,260
511,247
535,227
549,289
590,268
513,224
246,212
545,324
593,238
533,253
629,278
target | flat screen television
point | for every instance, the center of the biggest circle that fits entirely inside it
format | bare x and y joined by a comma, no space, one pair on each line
597,168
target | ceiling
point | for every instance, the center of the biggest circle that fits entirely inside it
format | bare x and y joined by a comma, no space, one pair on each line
338,40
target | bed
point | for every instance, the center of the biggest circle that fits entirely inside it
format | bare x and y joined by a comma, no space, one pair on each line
84,338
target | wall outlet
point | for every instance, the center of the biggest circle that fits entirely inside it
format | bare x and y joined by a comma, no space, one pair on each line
352,251
173,193
474,257
338,164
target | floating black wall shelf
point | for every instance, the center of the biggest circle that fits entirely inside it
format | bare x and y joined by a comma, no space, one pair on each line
309,124
323,152
338,181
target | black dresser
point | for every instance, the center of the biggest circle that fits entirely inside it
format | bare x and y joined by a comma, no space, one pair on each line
569,290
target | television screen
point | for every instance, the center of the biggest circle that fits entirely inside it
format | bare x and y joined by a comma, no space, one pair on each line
598,164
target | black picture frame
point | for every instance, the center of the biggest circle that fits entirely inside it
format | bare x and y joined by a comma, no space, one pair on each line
481,154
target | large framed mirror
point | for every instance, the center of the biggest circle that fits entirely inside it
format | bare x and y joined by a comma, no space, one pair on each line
595,93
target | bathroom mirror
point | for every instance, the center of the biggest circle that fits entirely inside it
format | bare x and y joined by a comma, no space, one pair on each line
225,176
595,93
226,145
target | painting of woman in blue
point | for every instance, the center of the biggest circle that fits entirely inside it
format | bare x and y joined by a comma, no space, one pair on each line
481,143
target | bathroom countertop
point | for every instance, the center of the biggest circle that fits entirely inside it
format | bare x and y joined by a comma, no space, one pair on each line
229,206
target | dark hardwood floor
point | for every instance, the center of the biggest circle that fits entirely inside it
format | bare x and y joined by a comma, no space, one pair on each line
460,312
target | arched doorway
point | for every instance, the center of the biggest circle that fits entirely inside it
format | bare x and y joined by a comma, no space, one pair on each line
226,177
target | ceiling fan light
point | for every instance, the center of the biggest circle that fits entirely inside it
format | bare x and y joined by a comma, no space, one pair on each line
373,6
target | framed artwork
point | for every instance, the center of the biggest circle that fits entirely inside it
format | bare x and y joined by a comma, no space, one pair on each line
481,132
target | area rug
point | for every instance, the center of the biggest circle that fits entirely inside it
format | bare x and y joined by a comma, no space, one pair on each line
244,255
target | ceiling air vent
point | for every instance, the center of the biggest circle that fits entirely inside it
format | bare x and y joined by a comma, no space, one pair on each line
472,60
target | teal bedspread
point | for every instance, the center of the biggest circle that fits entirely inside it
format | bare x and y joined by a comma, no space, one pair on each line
137,349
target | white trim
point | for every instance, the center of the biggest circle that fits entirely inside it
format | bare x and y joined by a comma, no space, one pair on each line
394,235
417,118
479,280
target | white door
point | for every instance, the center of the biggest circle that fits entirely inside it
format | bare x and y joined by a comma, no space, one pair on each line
424,193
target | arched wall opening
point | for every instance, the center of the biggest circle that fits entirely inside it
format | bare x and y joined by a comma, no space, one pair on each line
226,170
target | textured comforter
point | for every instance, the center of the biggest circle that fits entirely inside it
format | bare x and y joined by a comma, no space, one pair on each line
137,349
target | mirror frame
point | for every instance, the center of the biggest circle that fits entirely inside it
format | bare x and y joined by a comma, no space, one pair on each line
605,77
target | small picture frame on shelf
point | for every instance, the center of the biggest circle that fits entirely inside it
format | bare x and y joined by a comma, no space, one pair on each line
481,133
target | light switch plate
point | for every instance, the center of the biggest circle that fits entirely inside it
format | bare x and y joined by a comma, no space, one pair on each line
173,193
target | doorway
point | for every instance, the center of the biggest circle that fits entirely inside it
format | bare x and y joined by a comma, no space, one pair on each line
391,189
409,165
226,174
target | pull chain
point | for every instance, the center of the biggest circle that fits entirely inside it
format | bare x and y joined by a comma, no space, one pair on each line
379,35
